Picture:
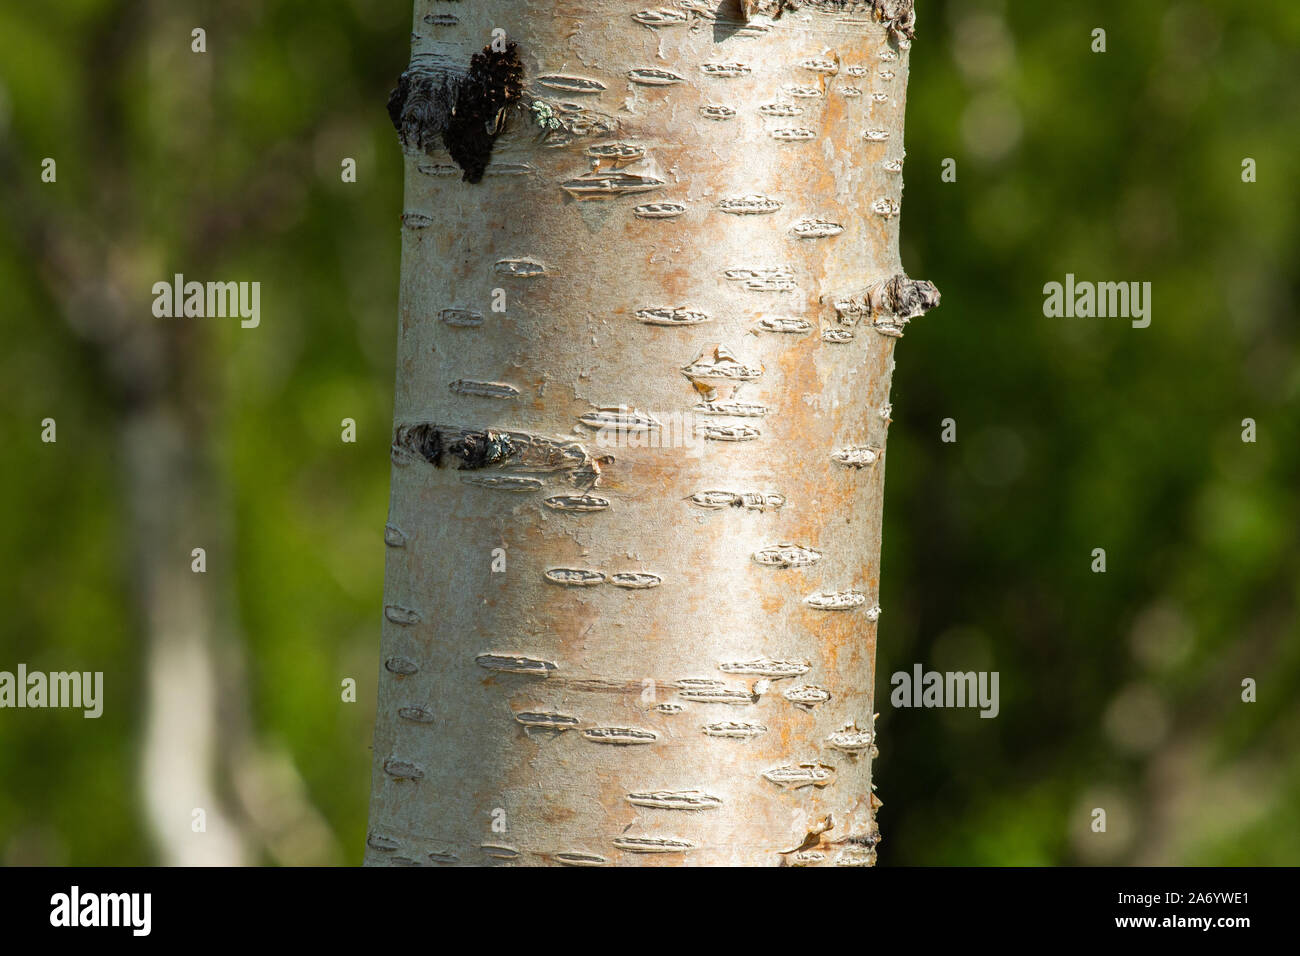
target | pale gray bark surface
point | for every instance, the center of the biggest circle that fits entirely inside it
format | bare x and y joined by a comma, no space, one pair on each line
693,213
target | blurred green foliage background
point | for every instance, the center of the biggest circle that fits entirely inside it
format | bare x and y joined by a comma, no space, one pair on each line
1119,690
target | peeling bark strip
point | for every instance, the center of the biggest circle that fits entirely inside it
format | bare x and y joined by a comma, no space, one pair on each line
898,16
604,643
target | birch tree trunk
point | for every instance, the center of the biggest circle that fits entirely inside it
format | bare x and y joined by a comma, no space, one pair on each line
650,296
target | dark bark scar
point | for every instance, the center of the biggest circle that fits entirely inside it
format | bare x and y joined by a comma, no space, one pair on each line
464,113
512,452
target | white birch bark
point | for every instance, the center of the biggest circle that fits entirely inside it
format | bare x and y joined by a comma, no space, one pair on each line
675,431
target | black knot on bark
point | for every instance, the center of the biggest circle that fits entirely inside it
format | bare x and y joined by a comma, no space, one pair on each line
464,113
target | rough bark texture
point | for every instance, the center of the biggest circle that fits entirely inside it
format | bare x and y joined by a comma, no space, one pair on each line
675,431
